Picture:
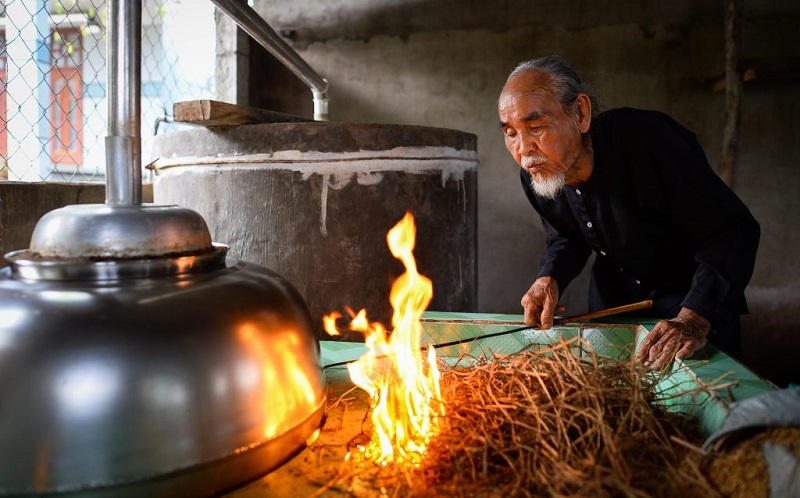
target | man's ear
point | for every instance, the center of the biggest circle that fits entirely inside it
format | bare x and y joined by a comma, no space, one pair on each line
583,112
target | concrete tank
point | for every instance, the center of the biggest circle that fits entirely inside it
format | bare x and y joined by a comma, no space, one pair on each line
313,202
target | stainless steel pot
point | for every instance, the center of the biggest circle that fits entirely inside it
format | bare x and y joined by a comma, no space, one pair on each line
180,375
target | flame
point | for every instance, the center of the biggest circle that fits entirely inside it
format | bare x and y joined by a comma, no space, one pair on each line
329,323
406,399
359,322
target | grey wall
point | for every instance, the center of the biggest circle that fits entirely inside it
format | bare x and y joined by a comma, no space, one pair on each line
442,63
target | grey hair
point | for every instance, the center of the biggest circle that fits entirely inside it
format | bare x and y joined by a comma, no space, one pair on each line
564,81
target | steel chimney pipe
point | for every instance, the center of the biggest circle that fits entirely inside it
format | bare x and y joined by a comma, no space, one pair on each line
123,143
253,24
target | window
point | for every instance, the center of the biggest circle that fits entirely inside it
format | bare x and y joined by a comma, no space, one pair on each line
66,116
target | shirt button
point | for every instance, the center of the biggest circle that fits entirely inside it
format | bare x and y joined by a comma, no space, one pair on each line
638,282
577,191
602,253
589,224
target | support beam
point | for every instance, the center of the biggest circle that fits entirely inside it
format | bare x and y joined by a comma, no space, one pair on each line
733,93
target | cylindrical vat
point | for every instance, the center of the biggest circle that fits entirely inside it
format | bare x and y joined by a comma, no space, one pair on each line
313,201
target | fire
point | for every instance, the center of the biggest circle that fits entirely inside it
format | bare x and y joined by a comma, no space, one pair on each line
405,395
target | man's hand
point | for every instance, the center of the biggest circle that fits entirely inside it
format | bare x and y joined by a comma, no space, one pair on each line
679,337
540,303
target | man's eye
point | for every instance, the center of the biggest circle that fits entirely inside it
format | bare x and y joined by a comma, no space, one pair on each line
508,133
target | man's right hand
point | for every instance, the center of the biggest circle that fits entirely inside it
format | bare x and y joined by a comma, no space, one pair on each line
540,303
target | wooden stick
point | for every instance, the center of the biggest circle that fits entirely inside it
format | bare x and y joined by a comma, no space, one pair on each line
648,303
558,320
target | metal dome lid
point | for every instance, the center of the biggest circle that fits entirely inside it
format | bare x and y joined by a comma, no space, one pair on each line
100,231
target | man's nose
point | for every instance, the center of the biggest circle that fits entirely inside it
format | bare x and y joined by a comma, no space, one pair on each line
526,144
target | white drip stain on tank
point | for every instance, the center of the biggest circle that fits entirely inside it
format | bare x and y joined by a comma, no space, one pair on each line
335,182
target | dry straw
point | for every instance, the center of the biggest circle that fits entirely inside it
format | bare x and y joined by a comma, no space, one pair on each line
548,422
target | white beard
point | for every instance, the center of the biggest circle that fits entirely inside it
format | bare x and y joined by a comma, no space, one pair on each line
550,187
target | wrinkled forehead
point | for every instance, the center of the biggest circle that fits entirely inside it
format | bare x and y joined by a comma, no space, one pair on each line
531,88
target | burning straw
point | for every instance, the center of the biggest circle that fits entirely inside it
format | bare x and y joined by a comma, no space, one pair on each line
545,422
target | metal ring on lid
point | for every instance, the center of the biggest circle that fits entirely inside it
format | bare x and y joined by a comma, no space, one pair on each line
27,266
127,232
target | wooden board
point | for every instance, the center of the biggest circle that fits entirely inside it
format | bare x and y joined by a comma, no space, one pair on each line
211,113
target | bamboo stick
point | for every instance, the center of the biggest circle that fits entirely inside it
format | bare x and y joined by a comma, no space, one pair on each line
648,303
558,320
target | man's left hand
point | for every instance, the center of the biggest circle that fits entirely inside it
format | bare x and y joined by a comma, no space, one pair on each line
679,337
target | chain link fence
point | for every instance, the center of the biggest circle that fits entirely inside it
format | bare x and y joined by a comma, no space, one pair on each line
53,81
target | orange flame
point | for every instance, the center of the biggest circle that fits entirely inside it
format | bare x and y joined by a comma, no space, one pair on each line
329,323
405,398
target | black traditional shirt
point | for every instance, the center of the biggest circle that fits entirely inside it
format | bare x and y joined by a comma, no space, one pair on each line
664,226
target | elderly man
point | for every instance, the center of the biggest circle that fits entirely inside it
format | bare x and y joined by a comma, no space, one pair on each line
635,188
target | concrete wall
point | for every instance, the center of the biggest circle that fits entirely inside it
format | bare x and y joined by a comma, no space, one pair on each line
442,63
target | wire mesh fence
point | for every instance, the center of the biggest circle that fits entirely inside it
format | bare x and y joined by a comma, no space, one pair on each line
53,81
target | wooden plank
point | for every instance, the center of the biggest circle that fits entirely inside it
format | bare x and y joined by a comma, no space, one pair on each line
211,113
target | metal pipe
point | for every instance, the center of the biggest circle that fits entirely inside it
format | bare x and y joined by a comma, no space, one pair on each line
251,22
123,143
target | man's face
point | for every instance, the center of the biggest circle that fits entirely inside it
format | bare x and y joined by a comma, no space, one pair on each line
543,139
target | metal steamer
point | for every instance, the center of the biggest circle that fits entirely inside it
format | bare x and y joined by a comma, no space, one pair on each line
136,358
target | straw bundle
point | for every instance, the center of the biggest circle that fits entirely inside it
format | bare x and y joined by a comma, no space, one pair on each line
545,422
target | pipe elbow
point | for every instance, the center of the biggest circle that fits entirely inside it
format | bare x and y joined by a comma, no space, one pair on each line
321,102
